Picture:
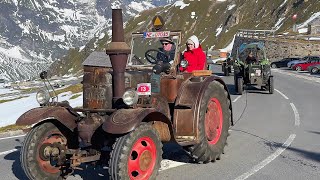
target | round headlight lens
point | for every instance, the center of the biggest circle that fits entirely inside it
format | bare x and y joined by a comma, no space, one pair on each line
130,97
43,97
184,63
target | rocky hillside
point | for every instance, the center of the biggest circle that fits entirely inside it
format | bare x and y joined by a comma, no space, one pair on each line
214,21
35,33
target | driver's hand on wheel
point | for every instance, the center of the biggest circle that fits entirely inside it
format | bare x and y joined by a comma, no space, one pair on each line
166,67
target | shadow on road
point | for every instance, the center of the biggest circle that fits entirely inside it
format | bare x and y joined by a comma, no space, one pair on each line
174,152
257,91
90,172
245,132
314,156
16,165
314,132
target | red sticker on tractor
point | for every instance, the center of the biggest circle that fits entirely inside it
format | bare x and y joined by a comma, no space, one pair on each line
144,89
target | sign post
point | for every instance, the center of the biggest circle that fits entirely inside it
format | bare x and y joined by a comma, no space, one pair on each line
294,18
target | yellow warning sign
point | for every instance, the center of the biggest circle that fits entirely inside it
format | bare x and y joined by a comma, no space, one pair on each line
158,22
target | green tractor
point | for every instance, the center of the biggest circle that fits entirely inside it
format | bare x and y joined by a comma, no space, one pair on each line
252,68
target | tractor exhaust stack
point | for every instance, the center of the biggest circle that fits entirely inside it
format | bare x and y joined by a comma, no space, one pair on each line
118,52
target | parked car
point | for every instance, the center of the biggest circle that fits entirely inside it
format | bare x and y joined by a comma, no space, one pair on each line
283,62
302,60
314,69
58,85
304,66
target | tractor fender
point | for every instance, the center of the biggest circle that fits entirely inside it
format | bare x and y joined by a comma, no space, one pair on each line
186,109
126,120
40,114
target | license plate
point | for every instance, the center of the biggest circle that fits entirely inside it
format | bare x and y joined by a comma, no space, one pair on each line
144,89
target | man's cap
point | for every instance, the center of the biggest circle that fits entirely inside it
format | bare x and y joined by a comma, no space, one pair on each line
167,39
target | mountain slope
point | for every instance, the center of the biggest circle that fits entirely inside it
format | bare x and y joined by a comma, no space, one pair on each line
35,33
216,22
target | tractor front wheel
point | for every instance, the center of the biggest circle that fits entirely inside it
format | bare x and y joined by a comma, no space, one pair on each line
214,122
136,155
36,151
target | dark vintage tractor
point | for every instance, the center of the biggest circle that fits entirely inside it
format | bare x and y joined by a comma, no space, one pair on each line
129,110
252,68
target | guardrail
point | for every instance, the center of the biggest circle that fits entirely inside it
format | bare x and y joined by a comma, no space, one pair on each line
263,34
255,33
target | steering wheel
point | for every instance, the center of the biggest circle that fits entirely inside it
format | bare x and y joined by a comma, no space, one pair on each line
152,59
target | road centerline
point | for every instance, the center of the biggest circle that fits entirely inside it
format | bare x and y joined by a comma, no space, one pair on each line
281,94
7,152
296,115
236,99
10,137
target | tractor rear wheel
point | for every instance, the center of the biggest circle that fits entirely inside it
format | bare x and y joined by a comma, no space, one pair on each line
136,155
214,122
271,85
240,85
34,156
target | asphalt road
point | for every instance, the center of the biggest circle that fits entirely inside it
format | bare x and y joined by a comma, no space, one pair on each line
275,137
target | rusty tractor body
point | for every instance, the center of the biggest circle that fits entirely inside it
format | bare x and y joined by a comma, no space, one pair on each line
128,111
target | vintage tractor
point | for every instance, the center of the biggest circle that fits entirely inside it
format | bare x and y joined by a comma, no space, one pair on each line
129,110
252,73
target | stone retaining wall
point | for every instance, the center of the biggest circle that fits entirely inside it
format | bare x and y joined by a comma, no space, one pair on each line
281,48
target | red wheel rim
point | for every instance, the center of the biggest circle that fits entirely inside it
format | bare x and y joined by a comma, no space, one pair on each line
142,159
213,121
50,138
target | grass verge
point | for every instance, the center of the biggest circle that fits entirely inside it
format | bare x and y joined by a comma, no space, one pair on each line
7,100
11,127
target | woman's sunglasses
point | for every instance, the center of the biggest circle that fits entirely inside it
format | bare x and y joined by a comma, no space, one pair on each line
189,44
165,44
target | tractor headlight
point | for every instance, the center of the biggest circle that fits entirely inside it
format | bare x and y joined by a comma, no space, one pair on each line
184,63
43,97
130,97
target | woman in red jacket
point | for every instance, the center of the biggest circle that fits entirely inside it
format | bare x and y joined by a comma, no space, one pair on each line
194,55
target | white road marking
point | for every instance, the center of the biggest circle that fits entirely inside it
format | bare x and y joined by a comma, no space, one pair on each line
168,164
7,152
236,99
296,115
12,137
268,159
281,94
